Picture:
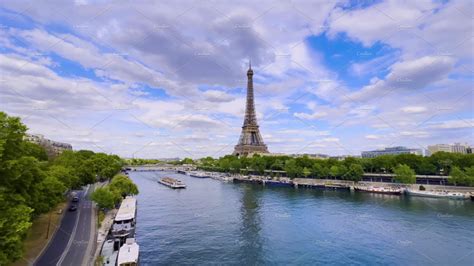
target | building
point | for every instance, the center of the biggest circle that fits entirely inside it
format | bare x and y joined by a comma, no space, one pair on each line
391,151
311,155
459,148
343,157
439,147
53,148
455,148
250,140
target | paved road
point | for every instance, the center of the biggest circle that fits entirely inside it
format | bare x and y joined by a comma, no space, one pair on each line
69,244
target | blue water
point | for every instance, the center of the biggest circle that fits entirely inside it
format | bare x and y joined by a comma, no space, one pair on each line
212,222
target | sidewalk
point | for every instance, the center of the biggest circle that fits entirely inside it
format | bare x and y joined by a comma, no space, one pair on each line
103,231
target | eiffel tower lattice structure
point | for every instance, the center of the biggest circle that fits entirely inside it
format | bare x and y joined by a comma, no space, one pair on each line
250,140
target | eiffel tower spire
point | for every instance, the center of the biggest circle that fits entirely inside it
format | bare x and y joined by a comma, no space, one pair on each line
250,140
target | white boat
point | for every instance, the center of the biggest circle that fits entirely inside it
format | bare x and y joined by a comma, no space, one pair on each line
171,182
108,253
128,253
199,174
379,190
124,222
437,194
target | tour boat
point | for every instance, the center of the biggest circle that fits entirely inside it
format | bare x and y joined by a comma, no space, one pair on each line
171,182
437,194
379,190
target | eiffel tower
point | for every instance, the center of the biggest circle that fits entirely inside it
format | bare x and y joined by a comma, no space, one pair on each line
250,140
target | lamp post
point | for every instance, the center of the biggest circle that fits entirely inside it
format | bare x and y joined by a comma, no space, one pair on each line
49,225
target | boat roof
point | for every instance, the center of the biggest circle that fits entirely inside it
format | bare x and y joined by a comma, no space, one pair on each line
128,253
127,209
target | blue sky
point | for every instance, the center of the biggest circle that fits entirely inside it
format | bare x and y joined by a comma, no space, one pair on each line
168,80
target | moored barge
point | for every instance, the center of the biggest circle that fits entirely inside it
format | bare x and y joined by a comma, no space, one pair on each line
379,190
438,194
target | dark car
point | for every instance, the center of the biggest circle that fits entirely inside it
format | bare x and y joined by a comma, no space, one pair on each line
75,199
72,208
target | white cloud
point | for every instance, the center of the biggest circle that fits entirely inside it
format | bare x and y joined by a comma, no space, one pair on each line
413,109
372,137
217,96
313,116
453,124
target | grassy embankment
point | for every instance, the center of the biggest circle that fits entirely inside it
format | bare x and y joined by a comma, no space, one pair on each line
37,238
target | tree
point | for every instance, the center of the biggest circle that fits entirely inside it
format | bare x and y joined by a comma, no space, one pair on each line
65,175
319,170
48,193
355,172
334,171
460,177
306,172
12,132
123,186
404,174
14,224
34,150
235,166
292,170
258,164
187,161
104,198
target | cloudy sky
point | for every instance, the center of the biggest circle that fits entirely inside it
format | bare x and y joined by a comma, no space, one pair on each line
157,79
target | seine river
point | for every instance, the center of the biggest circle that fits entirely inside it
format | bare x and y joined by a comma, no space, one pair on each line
212,222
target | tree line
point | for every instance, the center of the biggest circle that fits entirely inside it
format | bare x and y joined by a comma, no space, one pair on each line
30,184
459,166
109,196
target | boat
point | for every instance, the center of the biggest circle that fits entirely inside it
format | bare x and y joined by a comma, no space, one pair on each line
246,179
199,174
128,253
124,222
171,182
437,194
109,253
379,190
336,187
276,183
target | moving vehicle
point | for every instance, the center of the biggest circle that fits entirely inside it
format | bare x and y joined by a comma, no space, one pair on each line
72,208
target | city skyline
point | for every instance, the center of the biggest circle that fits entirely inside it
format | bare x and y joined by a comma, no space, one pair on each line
170,81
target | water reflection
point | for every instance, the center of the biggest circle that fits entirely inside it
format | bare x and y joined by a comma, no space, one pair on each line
250,239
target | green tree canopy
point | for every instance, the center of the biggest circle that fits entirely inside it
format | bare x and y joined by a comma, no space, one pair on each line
404,174
123,186
105,198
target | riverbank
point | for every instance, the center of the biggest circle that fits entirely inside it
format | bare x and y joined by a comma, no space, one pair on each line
313,182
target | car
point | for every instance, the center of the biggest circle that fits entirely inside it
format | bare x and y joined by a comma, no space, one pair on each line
75,199
73,208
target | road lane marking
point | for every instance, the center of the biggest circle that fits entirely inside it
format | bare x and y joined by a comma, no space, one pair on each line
71,239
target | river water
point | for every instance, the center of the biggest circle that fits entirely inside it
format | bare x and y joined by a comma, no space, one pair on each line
212,222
